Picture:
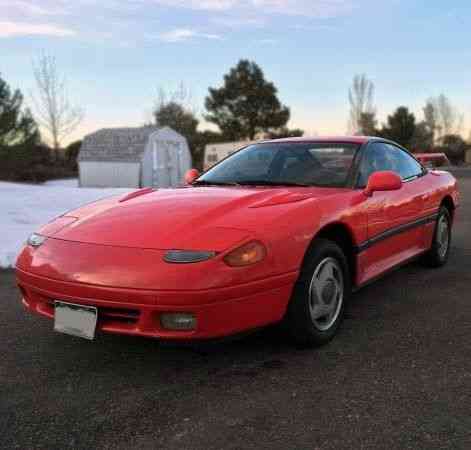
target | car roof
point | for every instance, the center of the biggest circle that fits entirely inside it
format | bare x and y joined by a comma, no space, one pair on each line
326,139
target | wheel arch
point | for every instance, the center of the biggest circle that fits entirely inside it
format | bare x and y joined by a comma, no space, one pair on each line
342,235
449,204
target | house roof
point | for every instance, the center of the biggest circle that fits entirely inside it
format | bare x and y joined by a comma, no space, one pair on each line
116,144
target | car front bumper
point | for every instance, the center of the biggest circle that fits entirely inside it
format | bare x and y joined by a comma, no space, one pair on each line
219,312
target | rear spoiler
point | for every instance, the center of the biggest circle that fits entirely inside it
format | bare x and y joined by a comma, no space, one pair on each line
433,159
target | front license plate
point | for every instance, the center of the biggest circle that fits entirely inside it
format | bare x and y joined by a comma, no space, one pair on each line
77,320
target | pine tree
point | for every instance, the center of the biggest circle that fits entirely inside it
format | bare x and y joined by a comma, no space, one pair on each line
17,126
400,127
247,105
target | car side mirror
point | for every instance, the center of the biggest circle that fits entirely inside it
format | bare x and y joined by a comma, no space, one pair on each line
191,175
383,181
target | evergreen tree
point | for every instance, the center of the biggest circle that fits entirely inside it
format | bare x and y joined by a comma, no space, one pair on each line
246,105
400,127
176,117
20,152
17,126
285,133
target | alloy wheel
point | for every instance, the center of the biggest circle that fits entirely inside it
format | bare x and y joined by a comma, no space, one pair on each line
326,293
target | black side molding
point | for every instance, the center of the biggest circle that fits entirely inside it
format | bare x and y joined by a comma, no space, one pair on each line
395,231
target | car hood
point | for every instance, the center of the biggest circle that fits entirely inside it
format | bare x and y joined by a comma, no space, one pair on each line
202,218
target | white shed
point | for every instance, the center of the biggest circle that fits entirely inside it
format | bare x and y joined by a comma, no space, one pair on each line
133,157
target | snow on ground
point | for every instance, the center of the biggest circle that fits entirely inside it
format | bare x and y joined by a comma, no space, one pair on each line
64,182
25,207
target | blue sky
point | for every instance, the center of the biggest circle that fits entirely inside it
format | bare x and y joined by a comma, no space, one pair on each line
116,54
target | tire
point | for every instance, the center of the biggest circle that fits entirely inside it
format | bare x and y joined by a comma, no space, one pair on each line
316,309
439,252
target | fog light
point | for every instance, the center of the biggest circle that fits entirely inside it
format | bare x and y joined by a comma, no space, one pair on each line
178,321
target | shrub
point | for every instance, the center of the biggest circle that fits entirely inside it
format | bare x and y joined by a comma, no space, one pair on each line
454,146
19,163
71,154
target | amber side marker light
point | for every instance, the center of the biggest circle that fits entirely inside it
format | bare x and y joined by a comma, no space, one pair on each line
246,255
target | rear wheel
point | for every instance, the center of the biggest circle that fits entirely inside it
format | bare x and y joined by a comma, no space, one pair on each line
438,254
317,305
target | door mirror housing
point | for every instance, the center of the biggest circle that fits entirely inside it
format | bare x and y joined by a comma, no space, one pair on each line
383,181
191,175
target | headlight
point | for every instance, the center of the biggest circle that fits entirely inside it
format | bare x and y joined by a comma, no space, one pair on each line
250,253
35,240
187,256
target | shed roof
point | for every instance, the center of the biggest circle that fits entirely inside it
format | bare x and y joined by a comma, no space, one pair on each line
116,144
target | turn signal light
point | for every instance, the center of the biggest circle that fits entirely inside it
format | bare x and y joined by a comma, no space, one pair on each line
250,253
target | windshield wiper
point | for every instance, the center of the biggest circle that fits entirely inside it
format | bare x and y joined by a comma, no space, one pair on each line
214,183
273,183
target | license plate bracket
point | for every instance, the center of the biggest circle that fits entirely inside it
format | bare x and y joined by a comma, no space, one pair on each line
76,320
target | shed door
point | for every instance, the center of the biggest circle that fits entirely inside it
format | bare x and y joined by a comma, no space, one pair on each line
166,164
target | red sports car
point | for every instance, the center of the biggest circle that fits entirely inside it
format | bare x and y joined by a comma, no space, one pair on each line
280,231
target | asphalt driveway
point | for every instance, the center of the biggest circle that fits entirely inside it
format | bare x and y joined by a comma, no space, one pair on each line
397,376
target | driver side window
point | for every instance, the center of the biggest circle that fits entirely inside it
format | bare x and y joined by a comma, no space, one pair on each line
405,165
378,157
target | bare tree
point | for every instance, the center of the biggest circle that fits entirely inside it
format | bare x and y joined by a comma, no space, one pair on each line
430,120
182,96
442,117
361,98
54,112
175,109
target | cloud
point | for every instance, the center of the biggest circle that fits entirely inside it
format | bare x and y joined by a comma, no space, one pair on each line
267,41
253,8
33,8
15,29
314,27
311,8
141,17
209,5
185,34
238,22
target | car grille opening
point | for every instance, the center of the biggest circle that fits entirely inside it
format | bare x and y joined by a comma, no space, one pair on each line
129,316
108,315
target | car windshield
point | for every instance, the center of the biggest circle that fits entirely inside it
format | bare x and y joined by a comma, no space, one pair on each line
285,164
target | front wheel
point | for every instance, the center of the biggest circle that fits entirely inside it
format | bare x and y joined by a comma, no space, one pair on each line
438,254
317,305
